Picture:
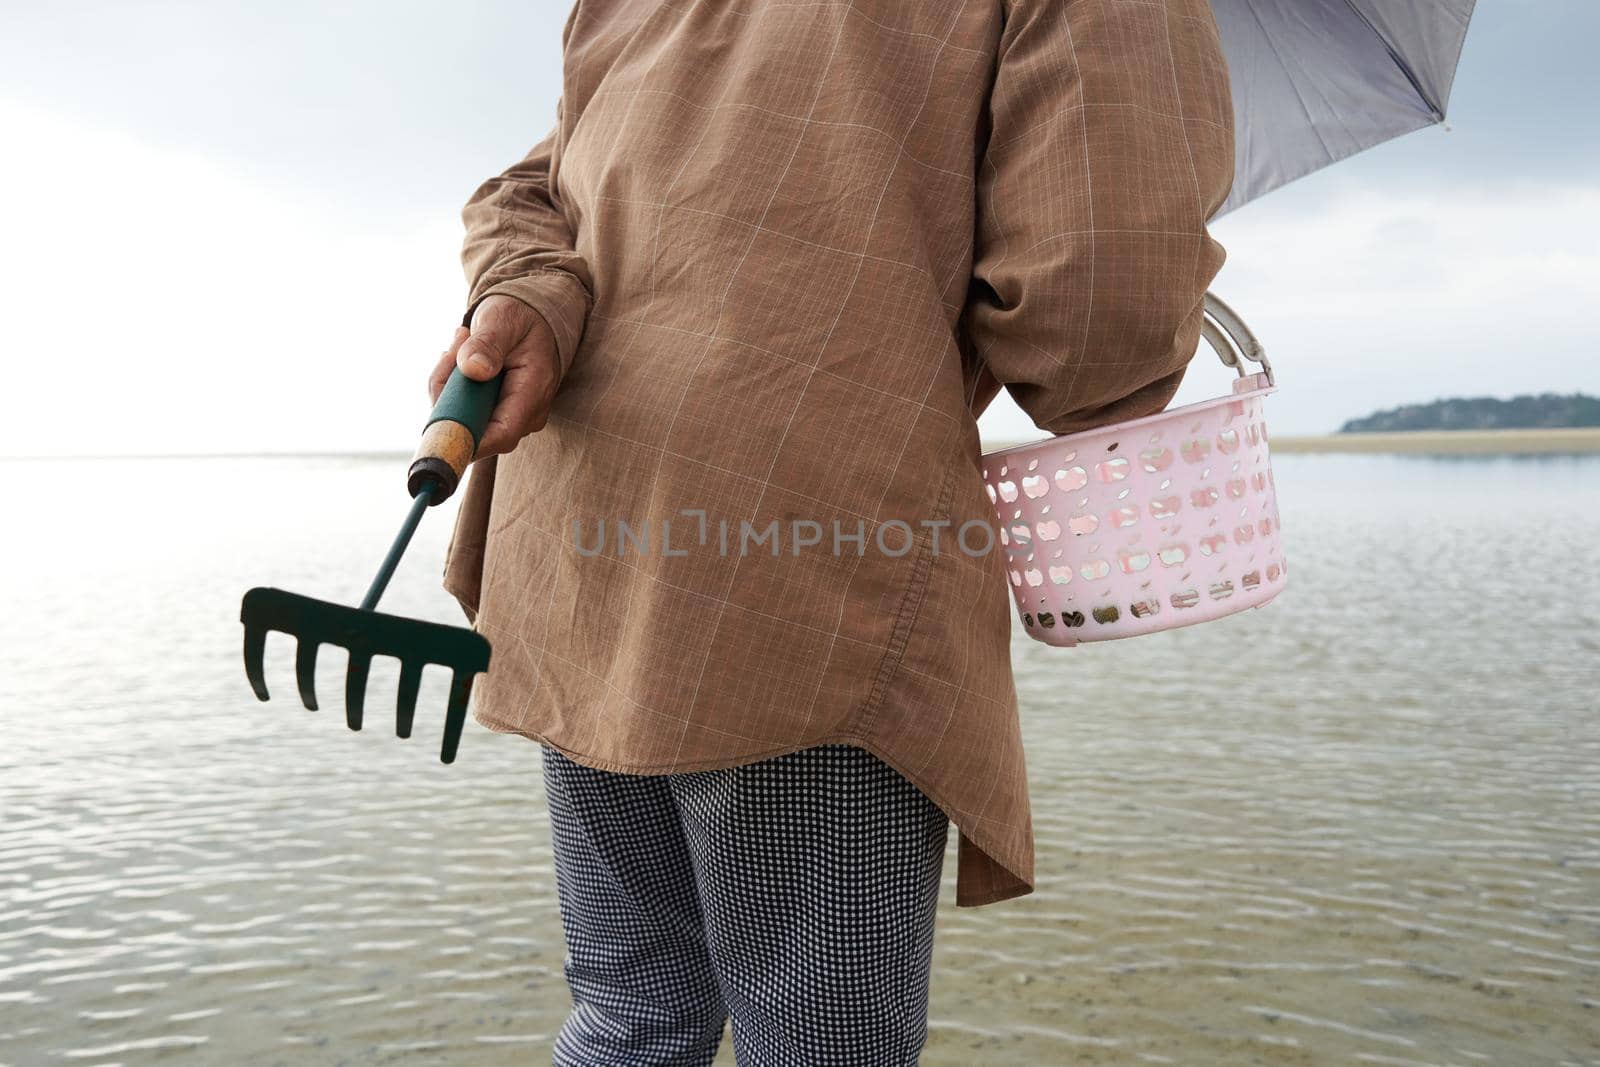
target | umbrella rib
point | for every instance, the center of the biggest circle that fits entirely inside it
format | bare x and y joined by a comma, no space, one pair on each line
1399,61
1311,125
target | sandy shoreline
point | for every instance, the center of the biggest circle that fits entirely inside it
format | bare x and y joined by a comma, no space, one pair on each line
1451,442
1422,442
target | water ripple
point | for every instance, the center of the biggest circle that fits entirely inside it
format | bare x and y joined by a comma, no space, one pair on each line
1358,826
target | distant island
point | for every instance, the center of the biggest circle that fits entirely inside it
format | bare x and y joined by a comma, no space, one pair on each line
1546,411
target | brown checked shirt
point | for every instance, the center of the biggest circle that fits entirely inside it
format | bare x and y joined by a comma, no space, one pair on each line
788,248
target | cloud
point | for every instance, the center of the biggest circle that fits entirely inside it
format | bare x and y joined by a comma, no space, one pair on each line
156,300
159,299
1366,299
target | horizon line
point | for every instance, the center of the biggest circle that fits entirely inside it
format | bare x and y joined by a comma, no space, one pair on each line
1352,439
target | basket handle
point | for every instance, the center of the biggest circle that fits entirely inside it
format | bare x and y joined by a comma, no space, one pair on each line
1227,334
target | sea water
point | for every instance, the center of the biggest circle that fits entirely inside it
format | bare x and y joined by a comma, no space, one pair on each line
1360,824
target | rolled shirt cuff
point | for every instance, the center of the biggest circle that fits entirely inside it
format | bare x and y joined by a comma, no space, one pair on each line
559,298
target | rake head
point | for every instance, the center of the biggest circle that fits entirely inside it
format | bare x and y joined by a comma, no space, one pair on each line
364,634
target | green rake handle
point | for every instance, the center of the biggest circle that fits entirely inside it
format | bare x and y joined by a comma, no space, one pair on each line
450,438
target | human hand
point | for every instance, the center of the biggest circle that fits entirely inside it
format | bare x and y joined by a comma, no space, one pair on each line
509,337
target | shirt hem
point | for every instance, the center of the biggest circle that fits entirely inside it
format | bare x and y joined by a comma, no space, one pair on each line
967,900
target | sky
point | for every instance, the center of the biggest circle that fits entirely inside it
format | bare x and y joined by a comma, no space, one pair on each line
234,227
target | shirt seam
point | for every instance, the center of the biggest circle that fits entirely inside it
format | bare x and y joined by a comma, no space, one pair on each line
910,608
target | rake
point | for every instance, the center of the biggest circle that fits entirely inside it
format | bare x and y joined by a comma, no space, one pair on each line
449,442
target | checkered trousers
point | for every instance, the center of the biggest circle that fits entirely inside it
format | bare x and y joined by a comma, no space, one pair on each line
794,897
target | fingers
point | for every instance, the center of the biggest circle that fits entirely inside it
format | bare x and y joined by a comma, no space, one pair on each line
525,395
498,325
509,338
531,378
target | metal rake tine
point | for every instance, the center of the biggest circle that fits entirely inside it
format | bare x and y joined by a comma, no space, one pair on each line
406,709
455,716
255,655
305,672
355,689
364,634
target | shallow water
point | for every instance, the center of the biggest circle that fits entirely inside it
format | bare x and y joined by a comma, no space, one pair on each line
1358,825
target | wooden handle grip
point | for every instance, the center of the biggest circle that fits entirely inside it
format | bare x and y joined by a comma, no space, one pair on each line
450,439
442,457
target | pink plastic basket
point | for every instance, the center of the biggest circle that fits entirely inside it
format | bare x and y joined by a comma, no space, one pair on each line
1150,524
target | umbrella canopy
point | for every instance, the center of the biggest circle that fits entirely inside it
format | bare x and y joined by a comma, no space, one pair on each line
1315,81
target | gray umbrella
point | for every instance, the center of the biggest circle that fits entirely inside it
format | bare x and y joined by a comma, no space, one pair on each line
1315,81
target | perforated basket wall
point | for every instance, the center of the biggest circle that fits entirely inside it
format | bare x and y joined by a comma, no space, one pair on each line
1145,525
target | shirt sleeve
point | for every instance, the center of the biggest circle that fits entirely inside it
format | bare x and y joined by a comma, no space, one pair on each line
1110,145
518,243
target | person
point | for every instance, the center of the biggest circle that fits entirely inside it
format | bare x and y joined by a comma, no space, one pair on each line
727,531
